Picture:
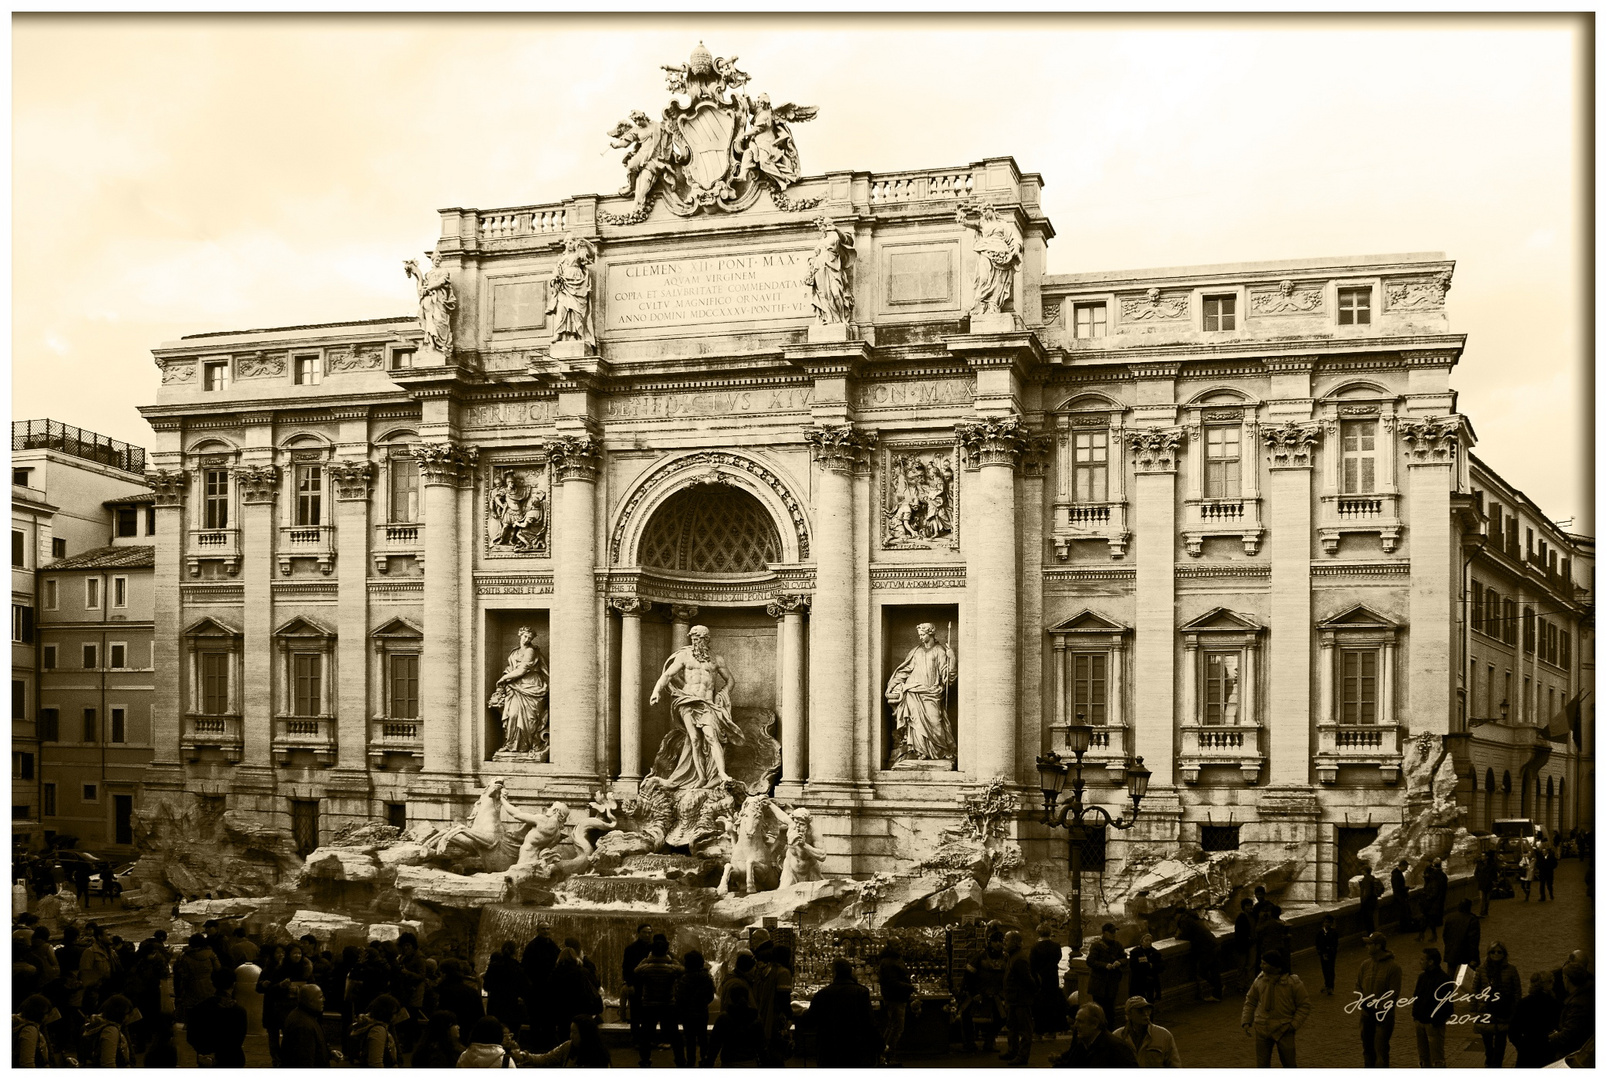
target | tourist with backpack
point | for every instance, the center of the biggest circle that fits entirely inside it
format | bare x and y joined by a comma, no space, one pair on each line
30,1045
104,1044
374,1046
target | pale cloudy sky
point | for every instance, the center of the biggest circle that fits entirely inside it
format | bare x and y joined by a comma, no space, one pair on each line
178,174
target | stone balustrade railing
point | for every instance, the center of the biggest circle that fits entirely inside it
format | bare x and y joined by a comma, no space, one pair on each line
921,186
522,221
204,731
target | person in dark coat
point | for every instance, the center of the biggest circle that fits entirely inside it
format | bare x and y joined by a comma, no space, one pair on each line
635,953
1327,948
656,976
845,1026
1378,984
538,960
1049,1008
506,987
1106,961
1546,872
1485,876
216,1027
1536,1018
1435,886
1093,1046
1497,976
1203,963
1431,1011
1403,897
1244,940
1369,899
301,1043
1144,972
1577,1024
1461,936
694,990
441,1044
982,990
1020,989
898,990
737,1035
458,994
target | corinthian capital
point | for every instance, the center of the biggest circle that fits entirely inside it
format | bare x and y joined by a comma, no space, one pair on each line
351,479
630,605
1431,440
445,462
1155,450
1290,446
787,604
169,486
575,457
994,440
839,447
256,483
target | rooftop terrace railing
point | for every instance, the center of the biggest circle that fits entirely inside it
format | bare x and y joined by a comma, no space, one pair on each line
53,435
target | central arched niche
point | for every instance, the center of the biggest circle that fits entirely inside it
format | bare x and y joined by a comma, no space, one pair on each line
710,529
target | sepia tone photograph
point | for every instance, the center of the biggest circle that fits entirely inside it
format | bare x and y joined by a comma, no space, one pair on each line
925,541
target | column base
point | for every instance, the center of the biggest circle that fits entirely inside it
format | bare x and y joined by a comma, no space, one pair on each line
790,790
835,793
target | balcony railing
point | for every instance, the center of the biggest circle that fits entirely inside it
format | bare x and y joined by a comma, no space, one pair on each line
1240,517
1106,748
307,542
221,544
918,187
1105,521
1377,512
310,733
393,737
1225,744
392,540
210,731
54,435
523,221
1357,744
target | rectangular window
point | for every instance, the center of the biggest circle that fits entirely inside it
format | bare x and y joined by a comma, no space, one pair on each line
1219,838
49,658
1492,707
49,593
20,477
1358,455
1090,843
19,545
1089,320
401,359
309,372
404,687
91,657
1090,468
309,495
119,725
215,375
215,683
92,793
1223,463
119,592
19,699
127,521
1355,307
1358,692
1477,618
1551,702
1219,312
117,655
396,815
215,499
1222,691
307,675
1528,698
304,825
58,547
49,725
22,624
1509,621
123,818
49,801
1512,537
1089,688
91,725
150,520
1528,629
92,593
1565,651
404,502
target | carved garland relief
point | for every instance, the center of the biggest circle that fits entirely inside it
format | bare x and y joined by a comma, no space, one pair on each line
1152,306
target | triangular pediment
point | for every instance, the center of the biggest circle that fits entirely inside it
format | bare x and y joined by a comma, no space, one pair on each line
209,627
1223,619
399,627
1359,617
303,627
1087,621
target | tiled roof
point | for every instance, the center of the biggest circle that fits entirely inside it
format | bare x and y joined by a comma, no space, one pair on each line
132,557
132,500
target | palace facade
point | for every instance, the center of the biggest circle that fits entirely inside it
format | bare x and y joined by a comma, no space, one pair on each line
1223,514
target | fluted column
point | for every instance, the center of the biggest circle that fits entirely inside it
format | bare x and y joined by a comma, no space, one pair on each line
351,481
440,688
994,447
630,687
575,671
167,721
788,610
257,485
836,448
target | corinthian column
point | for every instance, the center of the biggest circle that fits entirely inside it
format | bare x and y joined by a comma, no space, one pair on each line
441,465
994,447
837,449
789,611
575,673
630,687
167,716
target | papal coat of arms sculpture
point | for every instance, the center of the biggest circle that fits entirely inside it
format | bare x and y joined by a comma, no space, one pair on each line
716,151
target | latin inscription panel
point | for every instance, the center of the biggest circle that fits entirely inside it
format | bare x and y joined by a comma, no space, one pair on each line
674,294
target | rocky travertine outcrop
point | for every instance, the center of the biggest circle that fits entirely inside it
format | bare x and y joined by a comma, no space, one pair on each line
1432,826
185,852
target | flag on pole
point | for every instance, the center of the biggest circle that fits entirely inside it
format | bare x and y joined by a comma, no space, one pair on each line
1567,720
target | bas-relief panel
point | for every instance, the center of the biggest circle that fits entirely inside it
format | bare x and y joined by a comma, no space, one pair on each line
518,507
920,496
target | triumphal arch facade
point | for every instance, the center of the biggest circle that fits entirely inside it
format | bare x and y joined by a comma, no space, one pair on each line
928,503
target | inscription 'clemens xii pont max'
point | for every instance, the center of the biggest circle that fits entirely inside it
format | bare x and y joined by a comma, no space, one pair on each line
758,286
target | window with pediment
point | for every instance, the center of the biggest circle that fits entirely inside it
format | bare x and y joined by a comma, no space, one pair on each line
213,653
307,653
1090,487
1089,672
1356,721
1223,650
398,648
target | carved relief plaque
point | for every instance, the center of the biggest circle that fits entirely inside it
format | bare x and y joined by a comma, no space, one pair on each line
518,508
921,496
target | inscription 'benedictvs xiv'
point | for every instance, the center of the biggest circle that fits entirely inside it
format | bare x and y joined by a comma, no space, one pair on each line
727,288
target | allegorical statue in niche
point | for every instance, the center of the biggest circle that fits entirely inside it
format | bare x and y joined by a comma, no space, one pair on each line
918,692
569,293
521,695
699,683
651,150
516,516
436,302
998,251
769,149
829,277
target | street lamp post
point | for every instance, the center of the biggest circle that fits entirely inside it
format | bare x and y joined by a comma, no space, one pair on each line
1052,772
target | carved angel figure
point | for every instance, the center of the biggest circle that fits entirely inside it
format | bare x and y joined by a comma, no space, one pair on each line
651,151
998,249
768,148
436,302
569,293
830,278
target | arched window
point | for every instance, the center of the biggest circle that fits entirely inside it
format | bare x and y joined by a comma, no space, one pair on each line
711,529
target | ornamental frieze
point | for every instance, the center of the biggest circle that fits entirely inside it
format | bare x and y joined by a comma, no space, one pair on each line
260,365
178,372
920,498
1286,300
357,358
1154,307
1417,295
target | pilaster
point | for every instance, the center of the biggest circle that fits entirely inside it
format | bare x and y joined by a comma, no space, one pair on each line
1291,451
441,464
168,699
351,481
576,670
257,486
1432,446
1155,452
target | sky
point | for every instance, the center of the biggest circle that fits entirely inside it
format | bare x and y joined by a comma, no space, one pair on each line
180,174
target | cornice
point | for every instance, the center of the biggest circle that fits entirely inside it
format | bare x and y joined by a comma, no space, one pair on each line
1390,567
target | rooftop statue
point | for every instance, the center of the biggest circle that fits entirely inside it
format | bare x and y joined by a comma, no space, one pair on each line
715,151
569,293
998,256
436,302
